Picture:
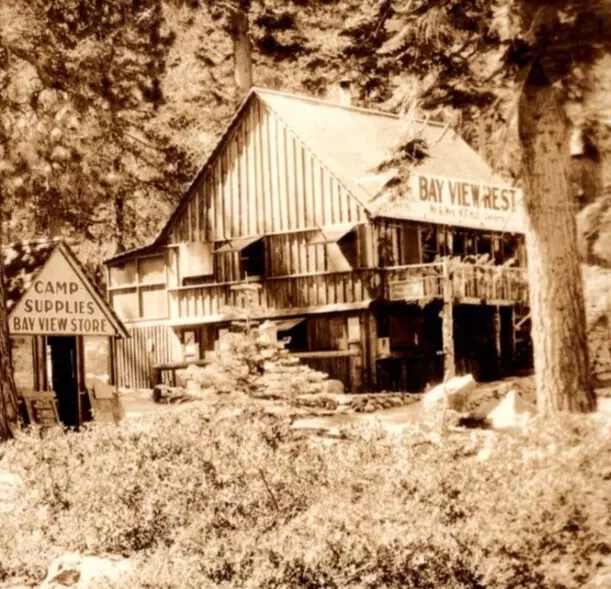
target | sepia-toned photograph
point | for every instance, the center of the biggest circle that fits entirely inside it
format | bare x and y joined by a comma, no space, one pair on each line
305,293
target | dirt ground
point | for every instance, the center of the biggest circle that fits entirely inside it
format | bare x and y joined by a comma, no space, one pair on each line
139,403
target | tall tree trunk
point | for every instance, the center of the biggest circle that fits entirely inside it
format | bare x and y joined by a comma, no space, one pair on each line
119,204
556,284
238,28
8,390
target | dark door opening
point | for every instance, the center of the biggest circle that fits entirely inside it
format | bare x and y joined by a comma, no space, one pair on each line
64,378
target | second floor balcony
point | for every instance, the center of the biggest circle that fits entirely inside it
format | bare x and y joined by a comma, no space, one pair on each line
466,283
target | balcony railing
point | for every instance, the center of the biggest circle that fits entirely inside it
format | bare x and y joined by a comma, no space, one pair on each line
406,283
282,292
468,282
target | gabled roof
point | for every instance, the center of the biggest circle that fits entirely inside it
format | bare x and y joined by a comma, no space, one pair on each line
24,261
351,143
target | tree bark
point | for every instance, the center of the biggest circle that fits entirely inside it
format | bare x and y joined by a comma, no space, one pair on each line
561,356
8,390
119,204
238,27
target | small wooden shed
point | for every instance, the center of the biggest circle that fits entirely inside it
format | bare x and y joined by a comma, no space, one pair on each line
63,335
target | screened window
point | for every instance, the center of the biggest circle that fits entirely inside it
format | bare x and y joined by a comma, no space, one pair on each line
138,289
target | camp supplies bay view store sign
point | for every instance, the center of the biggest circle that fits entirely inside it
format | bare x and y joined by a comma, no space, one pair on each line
59,302
469,204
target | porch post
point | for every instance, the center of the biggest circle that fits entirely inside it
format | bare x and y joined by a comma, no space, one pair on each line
497,339
447,325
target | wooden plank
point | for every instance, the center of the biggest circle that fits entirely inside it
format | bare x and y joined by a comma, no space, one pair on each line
262,193
448,324
273,170
310,201
237,199
497,337
253,197
349,353
267,171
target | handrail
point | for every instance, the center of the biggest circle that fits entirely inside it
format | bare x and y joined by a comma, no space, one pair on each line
276,278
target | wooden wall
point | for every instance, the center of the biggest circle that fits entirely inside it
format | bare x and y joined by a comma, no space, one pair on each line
263,181
134,355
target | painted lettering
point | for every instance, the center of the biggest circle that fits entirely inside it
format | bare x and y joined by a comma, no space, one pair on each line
437,190
423,188
454,193
475,194
486,198
495,198
464,192
59,287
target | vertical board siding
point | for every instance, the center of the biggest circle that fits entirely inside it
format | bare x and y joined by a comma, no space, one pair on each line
264,180
133,357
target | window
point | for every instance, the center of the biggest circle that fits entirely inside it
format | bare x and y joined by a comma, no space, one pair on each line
294,332
123,274
349,246
23,362
97,357
429,244
251,251
252,260
410,245
137,289
195,261
341,244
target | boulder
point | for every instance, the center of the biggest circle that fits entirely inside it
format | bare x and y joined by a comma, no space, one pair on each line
332,387
81,571
317,400
512,412
452,394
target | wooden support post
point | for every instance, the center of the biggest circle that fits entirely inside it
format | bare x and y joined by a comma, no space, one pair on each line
112,361
447,326
497,338
513,335
371,337
154,374
356,367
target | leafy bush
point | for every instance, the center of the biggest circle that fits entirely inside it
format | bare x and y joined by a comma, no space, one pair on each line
202,498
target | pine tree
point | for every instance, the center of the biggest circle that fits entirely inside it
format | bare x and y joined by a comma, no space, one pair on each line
71,72
471,51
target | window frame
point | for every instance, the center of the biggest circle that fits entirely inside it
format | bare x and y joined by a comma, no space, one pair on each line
138,287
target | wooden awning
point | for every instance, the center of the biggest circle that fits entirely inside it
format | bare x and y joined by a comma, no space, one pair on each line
288,324
332,233
237,245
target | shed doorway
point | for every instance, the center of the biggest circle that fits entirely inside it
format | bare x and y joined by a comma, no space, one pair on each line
64,378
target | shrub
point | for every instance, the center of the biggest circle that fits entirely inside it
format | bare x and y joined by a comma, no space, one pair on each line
259,368
202,498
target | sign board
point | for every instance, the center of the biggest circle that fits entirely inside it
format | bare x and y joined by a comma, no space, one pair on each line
354,329
406,289
58,302
476,205
42,408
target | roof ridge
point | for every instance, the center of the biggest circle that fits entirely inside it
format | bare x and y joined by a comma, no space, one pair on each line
359,109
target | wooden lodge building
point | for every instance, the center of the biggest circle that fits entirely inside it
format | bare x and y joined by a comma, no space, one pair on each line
62,336
354,277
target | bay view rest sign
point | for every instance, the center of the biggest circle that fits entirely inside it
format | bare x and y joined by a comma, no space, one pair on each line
469,204
59,303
